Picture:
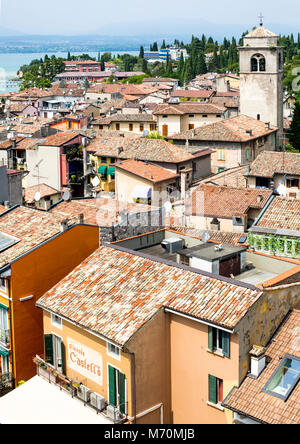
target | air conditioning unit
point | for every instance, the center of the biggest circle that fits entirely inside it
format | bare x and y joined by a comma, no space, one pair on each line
113,413
97,401
83,393
172,244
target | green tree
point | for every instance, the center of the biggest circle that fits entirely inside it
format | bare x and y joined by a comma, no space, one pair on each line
142,53
86,84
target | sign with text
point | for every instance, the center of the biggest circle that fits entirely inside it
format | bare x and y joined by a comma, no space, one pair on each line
85,361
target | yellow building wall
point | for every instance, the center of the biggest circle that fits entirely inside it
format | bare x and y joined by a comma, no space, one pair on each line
106,184
98,345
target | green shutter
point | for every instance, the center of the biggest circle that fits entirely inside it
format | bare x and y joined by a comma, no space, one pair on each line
122,393
48,342
111,386
63,354
226,344
210,338
212,389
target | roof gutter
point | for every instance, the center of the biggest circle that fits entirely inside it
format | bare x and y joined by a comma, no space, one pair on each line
200,320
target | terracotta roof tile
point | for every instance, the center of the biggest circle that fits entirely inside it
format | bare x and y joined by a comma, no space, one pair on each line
226,202
114,292
250,400
148,171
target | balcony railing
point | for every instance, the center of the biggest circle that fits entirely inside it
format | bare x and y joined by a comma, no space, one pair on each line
4,337
53,376
6,383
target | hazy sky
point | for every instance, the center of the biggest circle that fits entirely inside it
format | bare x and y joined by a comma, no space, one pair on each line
135,16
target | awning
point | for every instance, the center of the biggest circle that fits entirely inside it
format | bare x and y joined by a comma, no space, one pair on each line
38,402
141,192
102,169
111,171
4,352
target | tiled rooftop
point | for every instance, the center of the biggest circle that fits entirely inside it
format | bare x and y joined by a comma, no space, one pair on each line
231,130
282,213
31,226
115,292
43,189
189,108
98,212
153,150
147,171
269,163
226,202
249,399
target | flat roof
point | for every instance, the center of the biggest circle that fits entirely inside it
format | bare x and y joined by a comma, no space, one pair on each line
212,252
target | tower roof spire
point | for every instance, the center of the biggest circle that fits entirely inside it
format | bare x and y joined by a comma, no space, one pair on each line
261,20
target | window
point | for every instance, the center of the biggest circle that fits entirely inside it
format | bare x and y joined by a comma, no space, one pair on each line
117,389
56,320
215,390
130,126
152,127
4,334
218,341
55,352
258,63
113,350
3,284
191,115
247,154
117,126
141,127
218,115
292,183
221,154
184,260
204,115
284,379
258,116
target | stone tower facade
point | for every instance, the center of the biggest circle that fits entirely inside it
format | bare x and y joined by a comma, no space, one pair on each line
261,72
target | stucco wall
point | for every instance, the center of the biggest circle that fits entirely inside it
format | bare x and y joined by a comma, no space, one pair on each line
191,364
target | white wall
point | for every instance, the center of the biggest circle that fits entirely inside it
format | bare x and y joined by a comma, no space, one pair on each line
49,170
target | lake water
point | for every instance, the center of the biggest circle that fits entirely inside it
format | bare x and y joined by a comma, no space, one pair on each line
11,63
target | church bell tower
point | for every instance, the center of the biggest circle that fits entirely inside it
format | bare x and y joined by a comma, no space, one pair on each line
261,74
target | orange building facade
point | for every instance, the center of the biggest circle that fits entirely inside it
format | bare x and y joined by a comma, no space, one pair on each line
26,279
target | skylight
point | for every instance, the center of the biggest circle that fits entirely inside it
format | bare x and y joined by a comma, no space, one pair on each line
285,378
7,241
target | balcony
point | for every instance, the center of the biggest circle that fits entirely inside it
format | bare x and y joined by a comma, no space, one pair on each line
4,337
78,391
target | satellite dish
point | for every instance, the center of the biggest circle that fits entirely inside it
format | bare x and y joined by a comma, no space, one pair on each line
168,207
67,195
37,196
95,181
205,237
281,190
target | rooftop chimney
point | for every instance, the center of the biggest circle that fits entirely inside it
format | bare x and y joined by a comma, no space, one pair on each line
64,225
81,219
258,360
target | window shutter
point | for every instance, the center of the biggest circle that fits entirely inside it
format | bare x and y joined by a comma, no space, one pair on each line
111,385
48,342
63,354
210,338
122,392
226,344
212,389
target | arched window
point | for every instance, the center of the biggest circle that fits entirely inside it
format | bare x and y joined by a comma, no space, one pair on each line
258,63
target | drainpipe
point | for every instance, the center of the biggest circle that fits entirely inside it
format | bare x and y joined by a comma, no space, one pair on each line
133,390
10,332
